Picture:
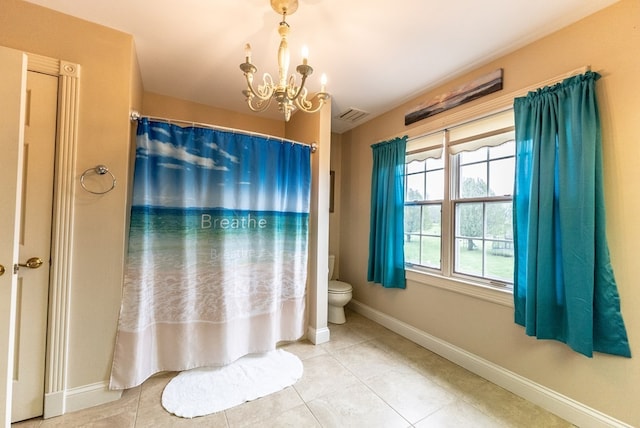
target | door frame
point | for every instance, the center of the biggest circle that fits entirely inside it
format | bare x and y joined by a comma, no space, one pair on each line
60,281
62,227
13,92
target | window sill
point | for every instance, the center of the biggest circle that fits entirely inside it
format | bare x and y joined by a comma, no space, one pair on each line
500,296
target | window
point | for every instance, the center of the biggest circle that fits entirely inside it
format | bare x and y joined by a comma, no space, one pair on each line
458,217
422,214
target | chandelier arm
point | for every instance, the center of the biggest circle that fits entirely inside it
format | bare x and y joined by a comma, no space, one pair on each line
266,92
259,105
298,89
307,105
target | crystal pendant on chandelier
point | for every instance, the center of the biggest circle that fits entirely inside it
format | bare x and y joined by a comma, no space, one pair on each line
287,94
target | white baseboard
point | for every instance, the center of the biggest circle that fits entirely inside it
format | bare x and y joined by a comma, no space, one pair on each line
318,336
565,407
83,397
53,404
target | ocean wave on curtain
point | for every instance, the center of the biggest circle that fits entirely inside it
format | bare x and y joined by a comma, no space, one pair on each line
217,260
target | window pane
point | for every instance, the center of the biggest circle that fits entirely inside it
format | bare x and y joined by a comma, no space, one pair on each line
431,252
469,220
499,260
468,257
473,180
433,163
412,219
431,219
435,185
506,149
412,248
499,220
415,187
415,166
474,156
501,176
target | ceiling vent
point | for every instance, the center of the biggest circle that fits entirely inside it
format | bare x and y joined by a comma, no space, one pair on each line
352,115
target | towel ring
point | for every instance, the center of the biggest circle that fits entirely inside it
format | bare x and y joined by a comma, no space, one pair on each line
98,170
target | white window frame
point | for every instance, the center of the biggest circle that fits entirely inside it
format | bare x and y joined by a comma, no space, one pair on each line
445,277
490,139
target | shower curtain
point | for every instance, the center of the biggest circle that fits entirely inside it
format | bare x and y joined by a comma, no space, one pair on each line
217,259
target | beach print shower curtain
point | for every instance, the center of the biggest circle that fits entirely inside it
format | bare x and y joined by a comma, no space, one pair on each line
217,258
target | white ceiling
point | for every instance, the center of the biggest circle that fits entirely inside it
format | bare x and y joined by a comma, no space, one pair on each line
375,54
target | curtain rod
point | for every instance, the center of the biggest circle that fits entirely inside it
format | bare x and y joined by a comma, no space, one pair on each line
135,116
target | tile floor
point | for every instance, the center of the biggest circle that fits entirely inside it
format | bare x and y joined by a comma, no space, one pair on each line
366,376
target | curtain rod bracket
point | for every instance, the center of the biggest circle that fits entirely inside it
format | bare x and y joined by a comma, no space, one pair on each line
134,116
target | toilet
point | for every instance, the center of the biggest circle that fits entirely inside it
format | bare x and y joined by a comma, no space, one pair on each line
339,295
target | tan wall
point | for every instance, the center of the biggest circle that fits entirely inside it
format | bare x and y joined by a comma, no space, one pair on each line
608,41
174,108
316,128
334,217
105,57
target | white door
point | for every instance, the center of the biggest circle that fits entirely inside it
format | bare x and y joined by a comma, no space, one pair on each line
13,69
35,244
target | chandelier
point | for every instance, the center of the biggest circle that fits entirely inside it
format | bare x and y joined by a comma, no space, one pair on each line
285,92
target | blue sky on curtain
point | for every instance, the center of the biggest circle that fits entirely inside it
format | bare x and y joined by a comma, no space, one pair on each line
386,227
564,283
217,258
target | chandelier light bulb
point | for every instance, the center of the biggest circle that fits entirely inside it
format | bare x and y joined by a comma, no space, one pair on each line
305,55
247,52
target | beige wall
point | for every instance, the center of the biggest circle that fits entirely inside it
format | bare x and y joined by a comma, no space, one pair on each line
174,108
316,128
105,57
334,217
607,41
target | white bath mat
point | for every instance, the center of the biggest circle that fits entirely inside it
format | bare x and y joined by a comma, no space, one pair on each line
207,390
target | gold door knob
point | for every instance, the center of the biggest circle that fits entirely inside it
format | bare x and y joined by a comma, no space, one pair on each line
1,270
32,263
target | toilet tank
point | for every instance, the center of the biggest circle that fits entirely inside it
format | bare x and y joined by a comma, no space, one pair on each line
332,261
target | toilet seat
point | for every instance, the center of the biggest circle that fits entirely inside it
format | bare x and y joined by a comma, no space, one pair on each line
339,287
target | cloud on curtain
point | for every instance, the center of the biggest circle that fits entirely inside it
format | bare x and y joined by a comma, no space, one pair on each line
217,258
564,287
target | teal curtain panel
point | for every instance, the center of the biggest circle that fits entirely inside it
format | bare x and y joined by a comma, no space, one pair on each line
564,286
386,245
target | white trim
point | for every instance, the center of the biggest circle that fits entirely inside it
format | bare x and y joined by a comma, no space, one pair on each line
91,395
318,336
61,402
501,296
561,405
53,404
62,228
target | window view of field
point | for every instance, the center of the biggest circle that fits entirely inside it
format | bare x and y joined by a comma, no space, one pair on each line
483,232
498,256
